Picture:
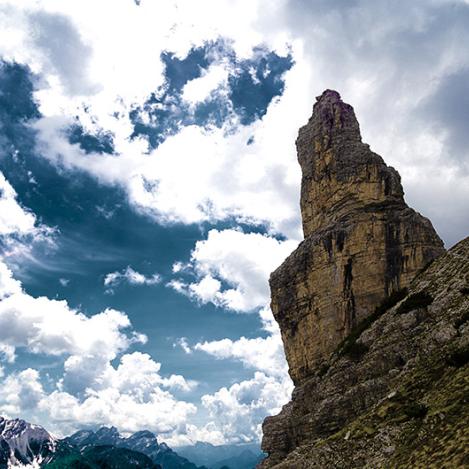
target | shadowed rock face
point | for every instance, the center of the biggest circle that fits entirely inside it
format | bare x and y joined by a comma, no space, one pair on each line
362,245
362,241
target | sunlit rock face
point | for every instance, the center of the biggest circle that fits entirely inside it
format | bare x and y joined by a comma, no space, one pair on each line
362,241
376,334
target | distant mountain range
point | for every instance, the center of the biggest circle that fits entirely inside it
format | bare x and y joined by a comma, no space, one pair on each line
143,442
245,456
22,444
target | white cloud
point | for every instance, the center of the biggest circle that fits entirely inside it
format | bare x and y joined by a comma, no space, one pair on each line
7,353
20,392
132,399
184,344
131,395
178,267
14,219
51,327
199,89
20,233
232,269
8,285
262,354
130,276
238,411
223,176
161,412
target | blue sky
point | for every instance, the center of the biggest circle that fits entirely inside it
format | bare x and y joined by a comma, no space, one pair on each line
150,185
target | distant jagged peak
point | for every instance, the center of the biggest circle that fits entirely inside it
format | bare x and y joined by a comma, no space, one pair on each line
24,443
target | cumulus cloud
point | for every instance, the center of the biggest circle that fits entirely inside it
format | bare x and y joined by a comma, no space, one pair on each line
264,354
236,412
135,402
52,327
20,391
131,277
232,269
198,89
14,219
91,391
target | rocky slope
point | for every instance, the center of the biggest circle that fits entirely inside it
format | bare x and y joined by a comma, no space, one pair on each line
377,348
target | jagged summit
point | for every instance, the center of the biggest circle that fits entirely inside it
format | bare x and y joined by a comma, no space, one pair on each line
23,443
340,173
332,118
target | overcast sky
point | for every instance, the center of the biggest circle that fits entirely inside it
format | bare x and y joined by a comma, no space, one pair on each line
149,185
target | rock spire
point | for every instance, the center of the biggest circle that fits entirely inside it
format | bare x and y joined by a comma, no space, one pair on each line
362,241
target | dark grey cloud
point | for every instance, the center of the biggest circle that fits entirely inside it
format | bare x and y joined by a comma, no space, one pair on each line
447,111
56,36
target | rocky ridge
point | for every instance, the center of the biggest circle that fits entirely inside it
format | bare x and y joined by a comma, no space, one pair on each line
143,442
377,346
23,443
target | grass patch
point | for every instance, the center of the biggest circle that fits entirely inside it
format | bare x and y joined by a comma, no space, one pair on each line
458,358
354,350
415,410
349,346
415,301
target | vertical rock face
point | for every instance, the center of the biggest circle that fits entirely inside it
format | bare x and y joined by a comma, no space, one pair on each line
362,241
362,245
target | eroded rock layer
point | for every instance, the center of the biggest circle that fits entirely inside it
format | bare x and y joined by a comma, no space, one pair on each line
362,241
